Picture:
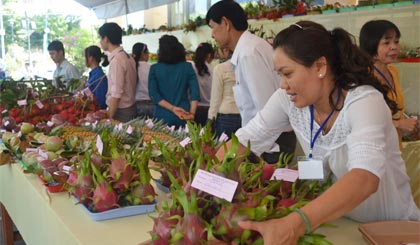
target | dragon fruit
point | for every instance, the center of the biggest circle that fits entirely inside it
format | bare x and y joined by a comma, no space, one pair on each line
104,197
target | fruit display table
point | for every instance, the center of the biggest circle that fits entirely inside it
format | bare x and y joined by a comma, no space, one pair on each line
53,218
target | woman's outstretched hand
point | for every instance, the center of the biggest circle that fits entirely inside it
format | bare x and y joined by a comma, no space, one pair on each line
285,231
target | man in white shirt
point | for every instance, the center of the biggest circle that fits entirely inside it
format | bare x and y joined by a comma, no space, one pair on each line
252,60
65,71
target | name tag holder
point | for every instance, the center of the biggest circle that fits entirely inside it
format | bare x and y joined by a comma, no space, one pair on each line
310,168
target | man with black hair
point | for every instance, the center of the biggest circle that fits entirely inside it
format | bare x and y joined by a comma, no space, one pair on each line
65,71
122,74
252,61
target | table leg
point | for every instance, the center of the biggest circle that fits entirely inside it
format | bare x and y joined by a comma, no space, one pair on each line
7,226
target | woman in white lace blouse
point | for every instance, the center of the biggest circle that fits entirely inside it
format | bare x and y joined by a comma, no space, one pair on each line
327,83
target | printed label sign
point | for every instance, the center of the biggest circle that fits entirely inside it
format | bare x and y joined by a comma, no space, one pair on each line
214,185
285,174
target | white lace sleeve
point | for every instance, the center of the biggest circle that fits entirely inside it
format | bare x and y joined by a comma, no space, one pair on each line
263,130
369,119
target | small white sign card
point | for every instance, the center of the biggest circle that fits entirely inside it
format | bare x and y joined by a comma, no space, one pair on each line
285,174
39,104
99,144
214,184
22,102
310,168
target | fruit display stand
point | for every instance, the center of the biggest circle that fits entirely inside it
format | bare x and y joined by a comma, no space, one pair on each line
53,218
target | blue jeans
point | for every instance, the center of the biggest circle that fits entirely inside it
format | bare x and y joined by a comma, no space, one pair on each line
227,123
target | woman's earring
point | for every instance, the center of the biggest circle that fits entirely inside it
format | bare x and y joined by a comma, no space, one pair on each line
320,75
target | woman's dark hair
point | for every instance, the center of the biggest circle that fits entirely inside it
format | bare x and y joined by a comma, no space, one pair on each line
200,57
372,32
306,41
231,10
96,53
138,50
111,30
170,51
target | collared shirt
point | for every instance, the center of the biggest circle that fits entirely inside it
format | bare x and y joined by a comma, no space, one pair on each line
142,91
256,79
222,99
122,78
205,85
66,71
98,85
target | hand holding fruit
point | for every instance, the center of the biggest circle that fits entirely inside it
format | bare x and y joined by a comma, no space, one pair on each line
285,231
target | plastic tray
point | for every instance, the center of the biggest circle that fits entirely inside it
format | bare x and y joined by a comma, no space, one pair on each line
391,232
54,187
119,212
161,187
411,60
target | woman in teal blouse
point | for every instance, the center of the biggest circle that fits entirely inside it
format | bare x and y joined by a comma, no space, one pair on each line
173,85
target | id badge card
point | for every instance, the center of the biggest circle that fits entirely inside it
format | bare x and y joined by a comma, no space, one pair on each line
310,168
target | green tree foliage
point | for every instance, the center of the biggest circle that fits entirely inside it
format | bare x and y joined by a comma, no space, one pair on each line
64,28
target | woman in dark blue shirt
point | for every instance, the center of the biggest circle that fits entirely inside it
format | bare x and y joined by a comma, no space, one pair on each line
173,85
97,81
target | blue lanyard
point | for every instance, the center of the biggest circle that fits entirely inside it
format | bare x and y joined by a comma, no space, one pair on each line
391,85
311,107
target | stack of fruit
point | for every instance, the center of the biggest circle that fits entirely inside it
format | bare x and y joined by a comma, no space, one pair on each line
195,217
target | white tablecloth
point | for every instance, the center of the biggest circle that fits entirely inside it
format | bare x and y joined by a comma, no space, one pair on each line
53,218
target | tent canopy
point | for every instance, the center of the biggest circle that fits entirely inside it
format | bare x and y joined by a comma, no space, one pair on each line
105,9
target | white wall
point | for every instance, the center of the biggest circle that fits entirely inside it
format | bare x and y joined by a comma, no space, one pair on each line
155,17
407,18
